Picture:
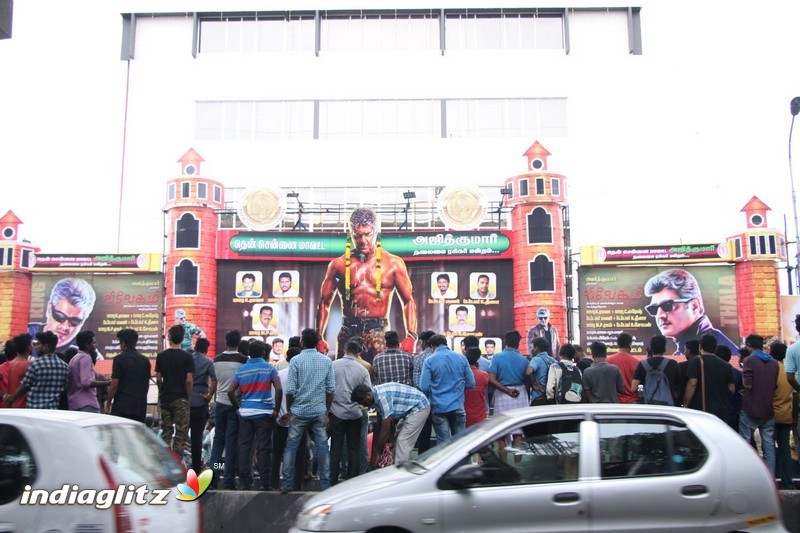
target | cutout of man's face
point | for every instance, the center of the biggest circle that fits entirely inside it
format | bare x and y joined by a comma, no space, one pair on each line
443,285
683,314
277,349
65,320
285,283
265,317
363,237
247,284
461,317
490,347
483,286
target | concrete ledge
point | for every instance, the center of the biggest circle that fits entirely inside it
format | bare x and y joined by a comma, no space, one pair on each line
231,510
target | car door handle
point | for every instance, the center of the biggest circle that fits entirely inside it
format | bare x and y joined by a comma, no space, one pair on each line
566,497
694,490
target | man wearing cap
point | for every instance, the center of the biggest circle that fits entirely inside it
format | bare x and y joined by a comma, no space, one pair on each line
544,329
189,330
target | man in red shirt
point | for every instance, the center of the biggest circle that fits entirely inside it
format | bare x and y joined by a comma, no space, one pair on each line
12,371
626,364
475,399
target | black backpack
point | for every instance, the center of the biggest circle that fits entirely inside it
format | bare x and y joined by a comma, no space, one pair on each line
569,388
656,384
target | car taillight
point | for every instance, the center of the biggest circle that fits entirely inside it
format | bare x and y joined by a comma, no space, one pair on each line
122,516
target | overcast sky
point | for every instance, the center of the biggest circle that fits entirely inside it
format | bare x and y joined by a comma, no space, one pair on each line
707,129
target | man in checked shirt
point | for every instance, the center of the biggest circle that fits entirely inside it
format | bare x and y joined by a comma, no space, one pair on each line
392,365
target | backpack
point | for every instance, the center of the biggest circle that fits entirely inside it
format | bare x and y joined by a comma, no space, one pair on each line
656,385
569,388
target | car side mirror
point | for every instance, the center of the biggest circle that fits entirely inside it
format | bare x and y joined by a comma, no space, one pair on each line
464,476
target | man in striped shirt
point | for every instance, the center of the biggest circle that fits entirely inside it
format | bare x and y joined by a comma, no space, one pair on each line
45,378
257,413
394,401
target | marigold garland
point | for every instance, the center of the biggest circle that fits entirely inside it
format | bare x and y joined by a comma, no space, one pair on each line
347,271
378,268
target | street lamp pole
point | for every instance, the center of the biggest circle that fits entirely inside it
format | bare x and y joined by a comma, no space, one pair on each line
795,109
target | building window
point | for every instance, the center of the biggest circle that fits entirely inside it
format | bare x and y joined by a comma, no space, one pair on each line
539,186
186,278
772,249
541,274
171,192
342,119
186,189
187,232
762,244
555,186
504,30
202,191
510,187
249,120
395,30
7,258
540,227
523,187
25,259
273,32
737,248
508,117
218,194
753,245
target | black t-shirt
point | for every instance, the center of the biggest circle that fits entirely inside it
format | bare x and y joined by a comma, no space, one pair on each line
718,376
584,363
132,369
173,365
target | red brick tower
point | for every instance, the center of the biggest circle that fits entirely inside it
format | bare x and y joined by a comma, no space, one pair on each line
191,266
16,258
755,252
538,201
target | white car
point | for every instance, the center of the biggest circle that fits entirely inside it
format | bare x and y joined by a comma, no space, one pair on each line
70,457
583,467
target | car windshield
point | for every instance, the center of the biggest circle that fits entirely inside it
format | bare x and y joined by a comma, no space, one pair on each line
482,430
139,457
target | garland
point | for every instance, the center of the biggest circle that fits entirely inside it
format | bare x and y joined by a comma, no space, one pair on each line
378,268
347,271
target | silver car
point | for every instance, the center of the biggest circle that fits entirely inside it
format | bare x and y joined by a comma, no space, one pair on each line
596,467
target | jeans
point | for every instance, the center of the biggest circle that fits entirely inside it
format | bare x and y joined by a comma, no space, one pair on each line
783,462
197,424
339,429
279,436
258,432
297,429
766,427
226,437
449,424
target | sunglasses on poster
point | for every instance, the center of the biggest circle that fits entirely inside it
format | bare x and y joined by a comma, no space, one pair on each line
60,317
666,306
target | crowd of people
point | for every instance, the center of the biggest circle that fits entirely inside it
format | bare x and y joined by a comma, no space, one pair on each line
285,414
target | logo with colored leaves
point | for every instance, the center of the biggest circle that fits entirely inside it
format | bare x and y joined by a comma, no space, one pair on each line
194,486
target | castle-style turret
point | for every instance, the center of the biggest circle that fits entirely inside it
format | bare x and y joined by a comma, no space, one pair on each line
16,259
191,266
538,206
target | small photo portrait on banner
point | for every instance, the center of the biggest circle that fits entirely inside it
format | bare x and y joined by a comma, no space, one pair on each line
444,285
286,284
248,284
483,285
490,345
462,318
265,317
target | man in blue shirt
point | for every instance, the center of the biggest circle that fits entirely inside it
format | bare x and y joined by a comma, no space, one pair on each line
537,370
395,402
445,376
507,376
257,413
310,386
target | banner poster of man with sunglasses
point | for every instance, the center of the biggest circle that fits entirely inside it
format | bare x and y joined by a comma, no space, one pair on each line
644,301
100,303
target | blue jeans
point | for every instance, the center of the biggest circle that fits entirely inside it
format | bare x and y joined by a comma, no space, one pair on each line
449,424
297,430
226,437
766,428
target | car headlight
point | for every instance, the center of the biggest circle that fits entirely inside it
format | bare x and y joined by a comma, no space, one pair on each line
315,518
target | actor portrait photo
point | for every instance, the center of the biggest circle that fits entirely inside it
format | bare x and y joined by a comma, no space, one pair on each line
264,318
462,318
676,304
71,302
